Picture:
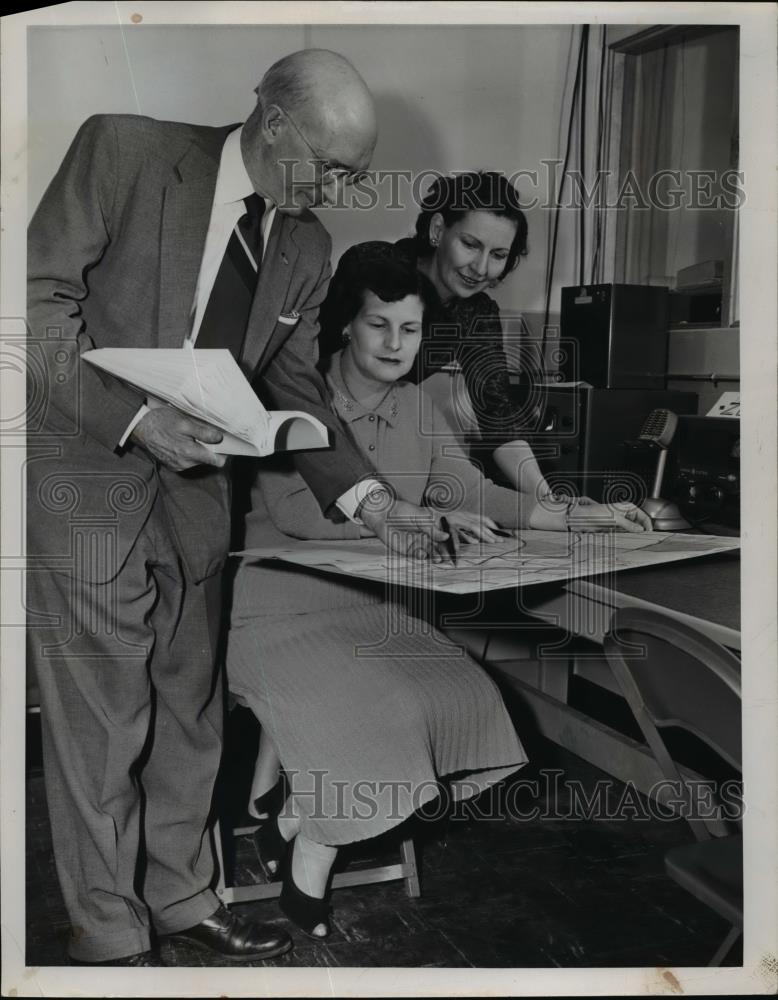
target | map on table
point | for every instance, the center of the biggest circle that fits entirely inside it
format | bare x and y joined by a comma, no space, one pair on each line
531,557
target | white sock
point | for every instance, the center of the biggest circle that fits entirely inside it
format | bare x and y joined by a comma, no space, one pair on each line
311,866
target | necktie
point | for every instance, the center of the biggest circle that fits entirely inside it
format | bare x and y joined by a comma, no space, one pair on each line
226,315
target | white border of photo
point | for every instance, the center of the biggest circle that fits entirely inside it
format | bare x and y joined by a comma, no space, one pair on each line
759,265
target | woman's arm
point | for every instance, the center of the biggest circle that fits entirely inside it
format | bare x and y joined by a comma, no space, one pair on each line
518,464
454,483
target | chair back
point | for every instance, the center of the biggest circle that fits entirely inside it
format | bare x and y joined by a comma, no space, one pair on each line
673,675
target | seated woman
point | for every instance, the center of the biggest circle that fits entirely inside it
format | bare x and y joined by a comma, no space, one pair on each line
470,235
365,703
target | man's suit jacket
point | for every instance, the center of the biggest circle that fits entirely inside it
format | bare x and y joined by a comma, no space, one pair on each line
114,252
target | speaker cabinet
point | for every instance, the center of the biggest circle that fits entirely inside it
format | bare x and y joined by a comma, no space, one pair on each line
618,335
581,437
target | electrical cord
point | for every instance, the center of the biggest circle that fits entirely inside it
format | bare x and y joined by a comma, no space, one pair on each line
571,122
582,155
598,212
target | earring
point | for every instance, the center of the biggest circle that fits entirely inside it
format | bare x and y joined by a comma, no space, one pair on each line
434,241
345,337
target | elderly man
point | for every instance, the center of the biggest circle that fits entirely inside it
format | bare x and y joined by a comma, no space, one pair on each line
152,233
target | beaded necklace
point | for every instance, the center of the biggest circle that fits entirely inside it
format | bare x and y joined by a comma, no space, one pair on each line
348,404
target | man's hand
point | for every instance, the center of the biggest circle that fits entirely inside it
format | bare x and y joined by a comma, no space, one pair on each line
174,439
410,530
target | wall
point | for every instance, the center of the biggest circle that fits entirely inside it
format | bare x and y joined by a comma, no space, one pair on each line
686,94
449,98
686,118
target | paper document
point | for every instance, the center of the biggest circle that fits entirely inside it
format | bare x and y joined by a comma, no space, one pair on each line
727,406
209,385
532,557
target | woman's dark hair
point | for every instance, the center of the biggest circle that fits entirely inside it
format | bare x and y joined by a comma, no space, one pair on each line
478,191
376,267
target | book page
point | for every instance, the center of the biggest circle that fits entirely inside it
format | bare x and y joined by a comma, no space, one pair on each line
208,384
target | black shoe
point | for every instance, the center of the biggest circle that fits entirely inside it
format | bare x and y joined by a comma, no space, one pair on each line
141,960
304,910
228,935
271,848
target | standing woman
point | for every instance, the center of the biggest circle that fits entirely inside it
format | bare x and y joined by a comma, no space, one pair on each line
470,234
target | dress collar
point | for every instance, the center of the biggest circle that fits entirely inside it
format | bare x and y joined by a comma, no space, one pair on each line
349,409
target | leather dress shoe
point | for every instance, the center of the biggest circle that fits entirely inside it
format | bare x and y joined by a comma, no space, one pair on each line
228,935
142,960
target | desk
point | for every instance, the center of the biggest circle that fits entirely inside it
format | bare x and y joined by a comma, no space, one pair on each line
703,593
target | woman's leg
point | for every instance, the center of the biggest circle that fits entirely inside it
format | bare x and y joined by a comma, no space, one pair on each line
266,774
310,872
288,821
306,873
311,865
273,838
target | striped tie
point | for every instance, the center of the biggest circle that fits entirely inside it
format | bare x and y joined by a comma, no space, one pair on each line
226,316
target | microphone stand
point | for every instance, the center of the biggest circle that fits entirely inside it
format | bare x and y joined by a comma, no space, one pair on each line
664,514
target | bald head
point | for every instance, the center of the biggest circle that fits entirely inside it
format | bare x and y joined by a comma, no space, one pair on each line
315,112
323,91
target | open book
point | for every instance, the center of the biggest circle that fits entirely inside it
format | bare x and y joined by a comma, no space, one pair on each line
208,384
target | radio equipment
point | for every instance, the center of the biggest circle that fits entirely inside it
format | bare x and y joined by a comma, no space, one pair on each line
707,481
580,435
619,333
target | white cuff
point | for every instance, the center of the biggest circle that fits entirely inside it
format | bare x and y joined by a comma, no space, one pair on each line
349,502
132,424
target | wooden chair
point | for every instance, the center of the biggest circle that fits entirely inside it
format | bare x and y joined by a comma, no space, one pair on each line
406,869
673,676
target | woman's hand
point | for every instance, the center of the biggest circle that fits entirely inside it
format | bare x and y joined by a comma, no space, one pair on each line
403,527
624,516
583,514
473,527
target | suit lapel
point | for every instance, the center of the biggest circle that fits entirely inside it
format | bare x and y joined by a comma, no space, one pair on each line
186,214
278,264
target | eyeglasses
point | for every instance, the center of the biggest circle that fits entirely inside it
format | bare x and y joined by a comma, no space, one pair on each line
329,172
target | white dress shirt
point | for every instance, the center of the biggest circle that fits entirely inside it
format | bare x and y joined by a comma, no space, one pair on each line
233,184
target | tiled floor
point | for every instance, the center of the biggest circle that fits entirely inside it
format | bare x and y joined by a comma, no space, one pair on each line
496,892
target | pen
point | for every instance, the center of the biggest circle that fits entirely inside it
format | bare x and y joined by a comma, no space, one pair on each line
451,545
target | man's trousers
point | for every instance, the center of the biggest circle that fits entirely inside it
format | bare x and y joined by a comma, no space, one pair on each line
132,716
